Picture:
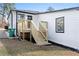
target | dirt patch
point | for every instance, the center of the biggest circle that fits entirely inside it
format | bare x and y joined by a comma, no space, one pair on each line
25,48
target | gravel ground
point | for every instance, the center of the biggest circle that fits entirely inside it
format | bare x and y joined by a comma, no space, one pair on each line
24,48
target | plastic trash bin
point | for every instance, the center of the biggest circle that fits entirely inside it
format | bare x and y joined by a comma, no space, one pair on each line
11,32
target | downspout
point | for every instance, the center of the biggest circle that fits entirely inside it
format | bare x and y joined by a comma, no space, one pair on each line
11,19
16,24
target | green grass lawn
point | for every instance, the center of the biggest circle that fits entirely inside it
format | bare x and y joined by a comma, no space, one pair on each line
25,48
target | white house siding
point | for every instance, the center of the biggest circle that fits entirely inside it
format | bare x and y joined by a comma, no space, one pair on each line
70,37
9,20
14,20
36,20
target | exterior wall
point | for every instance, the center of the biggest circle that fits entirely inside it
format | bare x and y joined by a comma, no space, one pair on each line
14,20
36,20
9,20
70,37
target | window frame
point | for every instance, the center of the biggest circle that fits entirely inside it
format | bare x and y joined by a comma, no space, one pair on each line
19,16
29,16
56,25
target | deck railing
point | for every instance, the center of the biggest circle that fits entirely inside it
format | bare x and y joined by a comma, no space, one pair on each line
44,31
35,31
23,25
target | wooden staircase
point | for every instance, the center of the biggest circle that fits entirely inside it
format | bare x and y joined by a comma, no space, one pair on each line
38,37
40,34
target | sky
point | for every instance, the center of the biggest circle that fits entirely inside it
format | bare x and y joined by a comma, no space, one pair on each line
44,6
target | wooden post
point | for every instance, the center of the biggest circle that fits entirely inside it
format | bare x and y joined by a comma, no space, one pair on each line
30,30
23,29
30,37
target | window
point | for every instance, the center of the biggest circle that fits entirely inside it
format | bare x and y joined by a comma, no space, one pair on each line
60,25
21,16
29,17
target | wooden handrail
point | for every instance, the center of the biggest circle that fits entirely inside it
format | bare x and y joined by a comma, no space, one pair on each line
41,27
35,30
34,25
43,35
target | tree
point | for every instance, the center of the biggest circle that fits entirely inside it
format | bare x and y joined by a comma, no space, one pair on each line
5,8
1,9
50,9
